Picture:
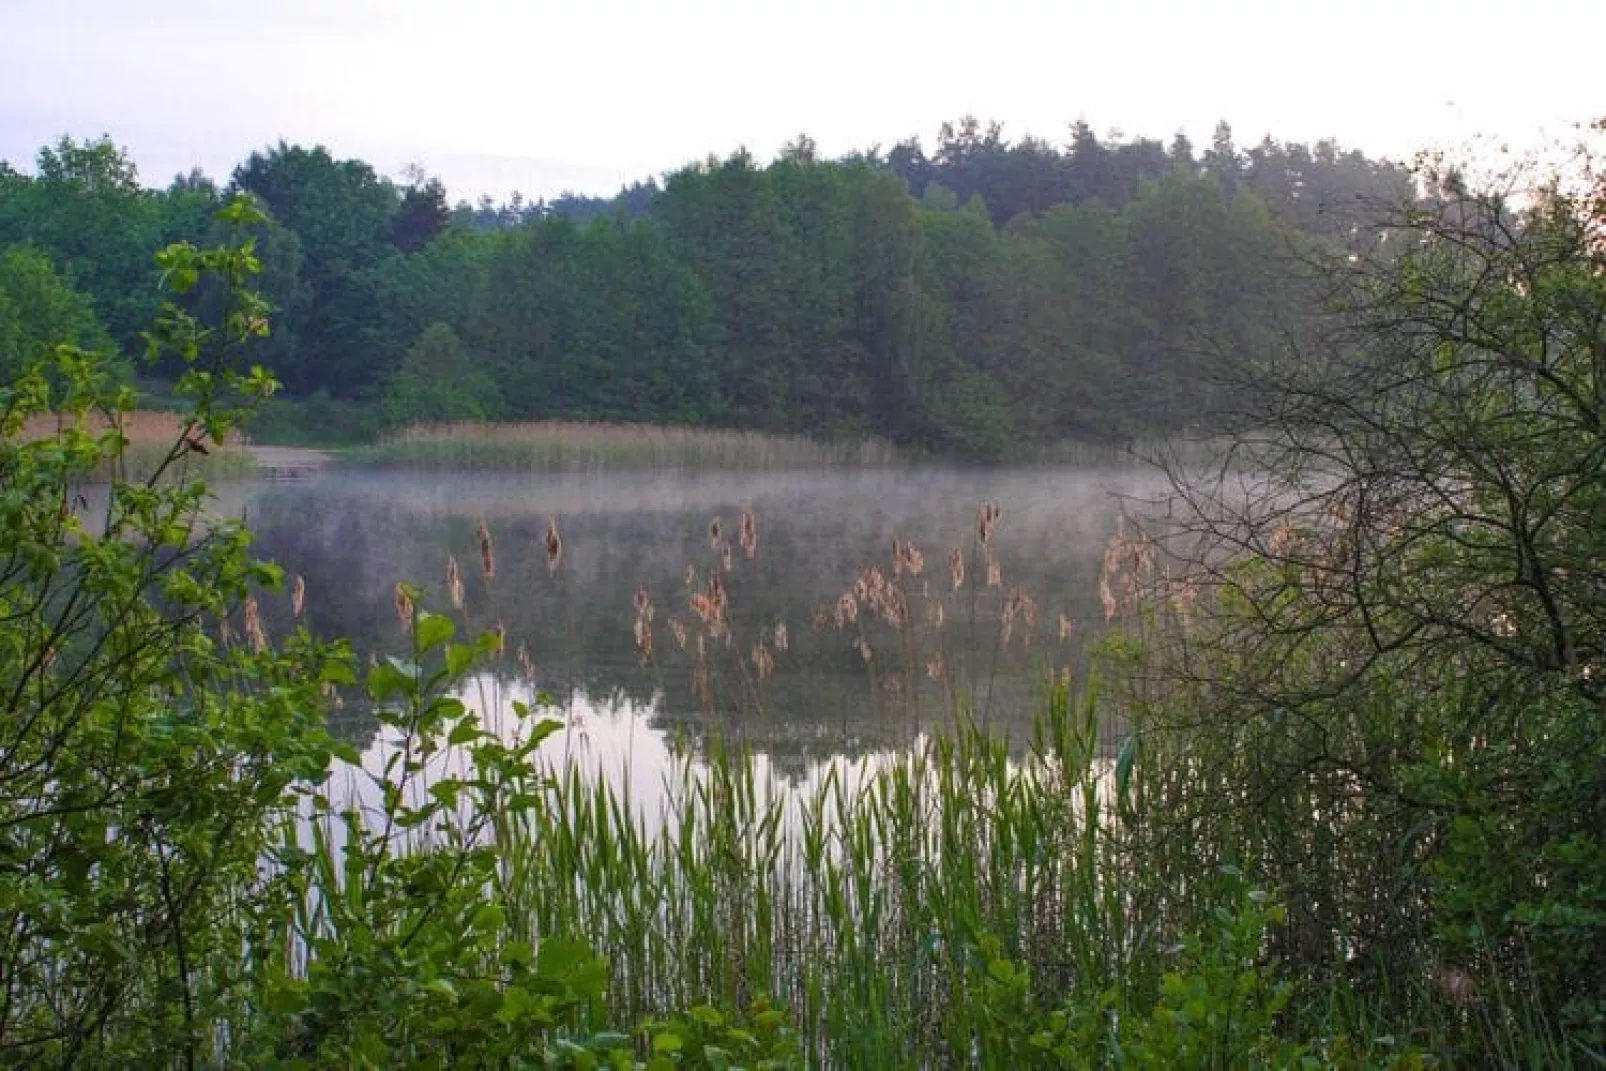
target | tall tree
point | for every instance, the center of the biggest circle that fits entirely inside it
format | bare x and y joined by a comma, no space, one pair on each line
343,215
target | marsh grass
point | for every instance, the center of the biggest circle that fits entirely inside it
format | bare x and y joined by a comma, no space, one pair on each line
863,900
570,446
154,438
969,901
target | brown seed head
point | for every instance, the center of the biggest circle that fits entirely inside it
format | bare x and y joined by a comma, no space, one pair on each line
986,520
298,595
956,567
643,634
454,581
847,610
254,632
749,534
487,553
554,545
404,608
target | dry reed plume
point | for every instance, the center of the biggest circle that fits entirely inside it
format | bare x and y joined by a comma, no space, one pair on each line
554,545
487,553
404,608
454,582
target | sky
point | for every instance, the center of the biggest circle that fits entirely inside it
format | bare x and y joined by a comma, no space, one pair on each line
497,95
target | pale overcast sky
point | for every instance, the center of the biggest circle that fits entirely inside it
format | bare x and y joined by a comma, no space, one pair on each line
495,95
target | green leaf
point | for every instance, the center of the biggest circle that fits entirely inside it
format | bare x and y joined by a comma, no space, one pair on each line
488,919
464,732
560,955
516,1003
387,681
432,631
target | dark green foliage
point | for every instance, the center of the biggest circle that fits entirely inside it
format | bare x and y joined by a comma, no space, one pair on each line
437,381
40,310
1390,695
985,302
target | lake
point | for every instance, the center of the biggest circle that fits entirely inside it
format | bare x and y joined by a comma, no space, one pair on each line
798,633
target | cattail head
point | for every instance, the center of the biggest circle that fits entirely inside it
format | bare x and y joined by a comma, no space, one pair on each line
956,567
1020,608
716,534
499,639
298,595
847,610
255,634
763,661
643,602
454,581
749,534
779,637
995,569
710,605
935,669
404,608
987,519
643,635
487,553
906,559
678,630
554,545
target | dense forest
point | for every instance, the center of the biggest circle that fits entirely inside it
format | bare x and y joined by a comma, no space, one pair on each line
979,300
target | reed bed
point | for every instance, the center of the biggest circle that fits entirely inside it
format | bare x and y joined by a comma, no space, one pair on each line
971,901
866,902
574,445
150,439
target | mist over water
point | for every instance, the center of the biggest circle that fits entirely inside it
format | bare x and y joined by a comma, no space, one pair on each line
353,535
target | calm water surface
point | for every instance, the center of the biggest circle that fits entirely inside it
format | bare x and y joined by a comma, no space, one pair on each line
822,693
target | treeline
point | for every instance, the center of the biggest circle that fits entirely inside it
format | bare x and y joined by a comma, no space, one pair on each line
977,301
